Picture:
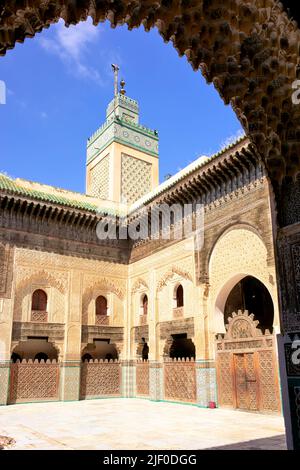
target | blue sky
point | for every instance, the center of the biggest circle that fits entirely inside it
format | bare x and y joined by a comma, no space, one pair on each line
60,82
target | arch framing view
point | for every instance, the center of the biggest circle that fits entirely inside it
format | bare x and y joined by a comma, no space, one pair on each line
250,52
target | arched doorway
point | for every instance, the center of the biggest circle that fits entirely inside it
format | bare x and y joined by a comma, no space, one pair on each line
246,360
252,295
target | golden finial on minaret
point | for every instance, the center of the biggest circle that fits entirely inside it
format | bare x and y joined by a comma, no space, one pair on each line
122,91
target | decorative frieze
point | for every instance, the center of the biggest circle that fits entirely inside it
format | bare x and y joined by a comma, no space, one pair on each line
168,328
91,332
54,331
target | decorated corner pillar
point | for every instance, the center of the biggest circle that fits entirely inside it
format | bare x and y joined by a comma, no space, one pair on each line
128,371
70,361
6,314
7,254
128,368
288,262
206,380
156,379
70,365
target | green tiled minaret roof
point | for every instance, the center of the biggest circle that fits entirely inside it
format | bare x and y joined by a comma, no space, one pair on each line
122,126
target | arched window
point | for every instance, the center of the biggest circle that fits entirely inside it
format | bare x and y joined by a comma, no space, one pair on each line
145,304
101,305
39,301
179,296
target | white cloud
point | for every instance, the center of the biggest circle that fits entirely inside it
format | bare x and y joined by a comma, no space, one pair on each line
71,46
232,139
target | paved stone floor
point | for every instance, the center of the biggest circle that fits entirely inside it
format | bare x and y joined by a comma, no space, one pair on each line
137,424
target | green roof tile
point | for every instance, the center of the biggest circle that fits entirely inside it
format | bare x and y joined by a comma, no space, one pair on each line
9,184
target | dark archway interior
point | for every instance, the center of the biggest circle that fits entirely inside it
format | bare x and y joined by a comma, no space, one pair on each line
86,357
41,357
34,348
100,349
182,347
250,294
16,357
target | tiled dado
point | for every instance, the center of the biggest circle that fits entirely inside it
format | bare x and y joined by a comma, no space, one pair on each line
70,380
128,379
156,380
206,382
4,381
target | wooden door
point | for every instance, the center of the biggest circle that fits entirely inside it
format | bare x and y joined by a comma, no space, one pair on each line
246,385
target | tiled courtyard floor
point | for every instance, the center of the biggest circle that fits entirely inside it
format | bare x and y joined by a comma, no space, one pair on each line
137,424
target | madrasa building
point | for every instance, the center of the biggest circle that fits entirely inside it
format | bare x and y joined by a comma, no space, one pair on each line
98,299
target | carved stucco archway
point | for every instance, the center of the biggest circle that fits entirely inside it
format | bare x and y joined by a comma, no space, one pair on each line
170,274
250,52
38,279
219,325
103,286
227,268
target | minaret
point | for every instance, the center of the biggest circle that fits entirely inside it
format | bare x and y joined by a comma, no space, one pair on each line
122,155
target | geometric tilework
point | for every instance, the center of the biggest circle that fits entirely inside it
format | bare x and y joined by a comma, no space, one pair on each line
268,385
156,380
70,383
136,178
142,378
100,379
99,179
4,383
180,380
34,382
206,385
